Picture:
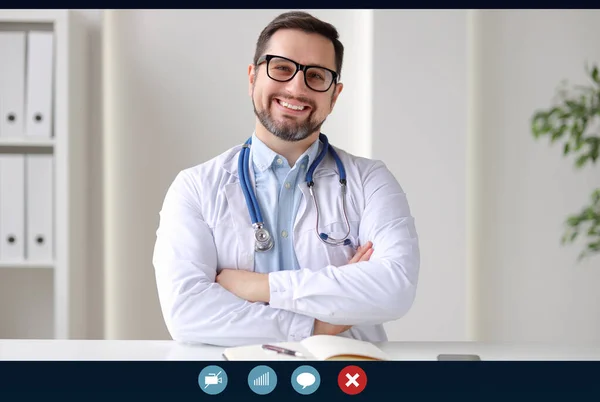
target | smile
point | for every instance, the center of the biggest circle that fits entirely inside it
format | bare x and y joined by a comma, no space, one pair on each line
291,107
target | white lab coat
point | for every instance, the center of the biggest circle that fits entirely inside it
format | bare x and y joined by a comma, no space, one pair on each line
205,227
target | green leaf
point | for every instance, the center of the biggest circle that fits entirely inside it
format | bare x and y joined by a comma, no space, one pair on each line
556,135
581,160
538,124
573,236
589,213
572,104
595,75
594,246
567,148
594,147
573,220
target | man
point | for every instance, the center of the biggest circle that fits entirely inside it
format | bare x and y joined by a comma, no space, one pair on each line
215,288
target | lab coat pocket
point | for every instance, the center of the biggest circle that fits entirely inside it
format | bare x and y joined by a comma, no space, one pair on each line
337,255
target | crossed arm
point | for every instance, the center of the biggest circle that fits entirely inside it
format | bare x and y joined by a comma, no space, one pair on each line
254,287
231,308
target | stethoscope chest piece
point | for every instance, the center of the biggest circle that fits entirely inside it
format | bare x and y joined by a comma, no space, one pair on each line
262,238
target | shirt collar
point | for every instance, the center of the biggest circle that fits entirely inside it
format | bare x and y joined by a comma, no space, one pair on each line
264,157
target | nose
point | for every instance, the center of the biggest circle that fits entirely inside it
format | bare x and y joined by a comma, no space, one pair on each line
297,85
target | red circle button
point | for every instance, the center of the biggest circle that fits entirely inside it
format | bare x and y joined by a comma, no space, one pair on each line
352,380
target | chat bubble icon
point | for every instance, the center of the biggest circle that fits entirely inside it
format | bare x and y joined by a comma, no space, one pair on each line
306,379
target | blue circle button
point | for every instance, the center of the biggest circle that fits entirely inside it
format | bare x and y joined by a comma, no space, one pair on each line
306,380
212,380
262,380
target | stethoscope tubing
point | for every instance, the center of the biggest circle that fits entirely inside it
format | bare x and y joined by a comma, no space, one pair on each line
252,202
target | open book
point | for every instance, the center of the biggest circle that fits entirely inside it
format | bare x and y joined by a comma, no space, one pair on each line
317,347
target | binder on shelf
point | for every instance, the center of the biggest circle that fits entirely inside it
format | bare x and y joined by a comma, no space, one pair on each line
12,84
40,73
12,210
39,216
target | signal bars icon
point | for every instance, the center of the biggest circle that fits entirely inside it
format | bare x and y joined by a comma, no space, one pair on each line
262,381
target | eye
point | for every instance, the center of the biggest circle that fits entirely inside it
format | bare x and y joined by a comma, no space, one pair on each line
316,76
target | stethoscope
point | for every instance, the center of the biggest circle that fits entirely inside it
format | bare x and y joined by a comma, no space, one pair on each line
263,239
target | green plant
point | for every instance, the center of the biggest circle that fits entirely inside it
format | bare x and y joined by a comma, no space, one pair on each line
574,120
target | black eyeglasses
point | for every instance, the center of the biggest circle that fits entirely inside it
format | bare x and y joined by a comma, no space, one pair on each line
283,69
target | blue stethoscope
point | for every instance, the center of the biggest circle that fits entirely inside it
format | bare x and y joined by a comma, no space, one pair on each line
263,239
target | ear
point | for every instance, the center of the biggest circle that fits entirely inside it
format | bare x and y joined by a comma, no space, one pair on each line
251,70
336,93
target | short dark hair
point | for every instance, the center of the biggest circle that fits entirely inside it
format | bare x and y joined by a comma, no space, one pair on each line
304,22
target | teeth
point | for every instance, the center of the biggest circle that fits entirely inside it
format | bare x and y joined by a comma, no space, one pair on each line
291,106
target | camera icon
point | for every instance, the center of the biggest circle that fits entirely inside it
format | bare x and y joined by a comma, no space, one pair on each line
212,380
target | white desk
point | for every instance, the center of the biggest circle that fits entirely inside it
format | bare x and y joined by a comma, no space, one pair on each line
170,350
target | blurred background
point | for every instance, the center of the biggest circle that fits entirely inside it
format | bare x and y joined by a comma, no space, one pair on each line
444,98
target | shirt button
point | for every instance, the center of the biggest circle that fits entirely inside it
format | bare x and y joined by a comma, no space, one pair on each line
288,185
303,166
279,161
284,233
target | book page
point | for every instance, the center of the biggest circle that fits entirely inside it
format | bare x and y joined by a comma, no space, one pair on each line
327,347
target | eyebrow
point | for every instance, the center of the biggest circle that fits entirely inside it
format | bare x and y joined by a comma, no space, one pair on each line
320,65
308,64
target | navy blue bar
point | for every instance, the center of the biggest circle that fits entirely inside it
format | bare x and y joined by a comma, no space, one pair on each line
306,4
386,380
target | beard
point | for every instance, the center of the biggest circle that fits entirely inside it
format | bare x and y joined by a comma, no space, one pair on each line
291,130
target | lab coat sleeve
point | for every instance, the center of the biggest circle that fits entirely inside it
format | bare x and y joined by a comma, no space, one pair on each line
371,292
194,307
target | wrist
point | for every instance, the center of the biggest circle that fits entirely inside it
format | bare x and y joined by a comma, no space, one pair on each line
318,328
262,289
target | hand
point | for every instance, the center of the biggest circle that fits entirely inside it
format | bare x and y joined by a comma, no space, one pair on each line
325,328
363,253
251,286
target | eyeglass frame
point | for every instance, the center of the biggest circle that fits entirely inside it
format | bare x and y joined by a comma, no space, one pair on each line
299,67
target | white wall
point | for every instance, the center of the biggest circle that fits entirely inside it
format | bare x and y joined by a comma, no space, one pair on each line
419,130
530,287
95,269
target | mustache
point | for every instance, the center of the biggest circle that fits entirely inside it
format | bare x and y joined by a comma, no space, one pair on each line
300,99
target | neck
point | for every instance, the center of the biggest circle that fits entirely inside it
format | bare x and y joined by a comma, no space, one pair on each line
291,151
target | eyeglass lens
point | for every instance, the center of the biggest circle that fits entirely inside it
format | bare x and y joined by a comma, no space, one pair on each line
317,78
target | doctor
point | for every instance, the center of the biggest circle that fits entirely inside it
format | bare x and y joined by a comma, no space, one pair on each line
286,236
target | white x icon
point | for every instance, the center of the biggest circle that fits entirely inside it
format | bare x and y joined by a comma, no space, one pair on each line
352,379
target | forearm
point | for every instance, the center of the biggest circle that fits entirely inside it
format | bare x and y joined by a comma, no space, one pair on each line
207,313
370,292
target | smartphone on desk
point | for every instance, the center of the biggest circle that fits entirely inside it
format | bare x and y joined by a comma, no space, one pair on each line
458,357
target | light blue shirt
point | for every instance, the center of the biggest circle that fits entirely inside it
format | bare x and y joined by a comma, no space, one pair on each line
278,195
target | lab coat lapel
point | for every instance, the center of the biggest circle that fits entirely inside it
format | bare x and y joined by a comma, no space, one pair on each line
240,218
307,215
306,210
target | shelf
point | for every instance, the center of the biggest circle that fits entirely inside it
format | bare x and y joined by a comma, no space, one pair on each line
58,283
26,142
26,265
30,16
